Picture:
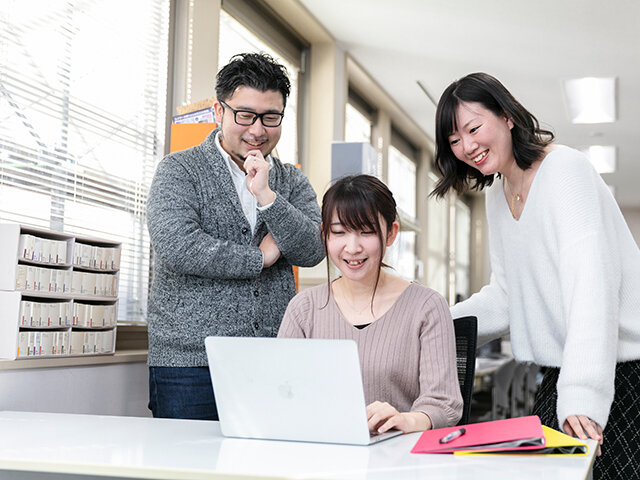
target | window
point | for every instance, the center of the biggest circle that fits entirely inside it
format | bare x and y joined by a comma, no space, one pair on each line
236,38
358,119
463,249
82,120
401,174
436,231
357,127
402,181
402,254
402,166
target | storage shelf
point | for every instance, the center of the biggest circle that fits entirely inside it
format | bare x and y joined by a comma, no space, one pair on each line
92,270
48,328
77,328
121,356
36,263
33,294
20,248
93,298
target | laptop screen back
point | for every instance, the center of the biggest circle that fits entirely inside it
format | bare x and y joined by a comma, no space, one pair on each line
288,389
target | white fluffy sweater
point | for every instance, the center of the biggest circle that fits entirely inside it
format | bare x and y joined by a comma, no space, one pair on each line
565,282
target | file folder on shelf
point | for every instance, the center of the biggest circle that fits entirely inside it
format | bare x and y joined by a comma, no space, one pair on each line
513,434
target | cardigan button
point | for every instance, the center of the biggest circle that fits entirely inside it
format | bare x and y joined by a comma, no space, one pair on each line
255,325
244,230
256,293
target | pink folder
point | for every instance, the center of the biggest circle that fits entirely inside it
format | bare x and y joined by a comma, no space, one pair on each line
522,433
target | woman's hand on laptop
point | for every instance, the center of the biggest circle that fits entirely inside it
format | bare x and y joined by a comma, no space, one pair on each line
382,417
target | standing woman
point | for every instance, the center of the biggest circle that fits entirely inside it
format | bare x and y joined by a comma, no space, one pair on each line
565,279
404,331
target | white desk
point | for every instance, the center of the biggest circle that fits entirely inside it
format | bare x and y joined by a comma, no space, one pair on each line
131,447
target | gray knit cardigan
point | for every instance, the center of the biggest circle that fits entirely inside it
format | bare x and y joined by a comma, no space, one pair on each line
208,277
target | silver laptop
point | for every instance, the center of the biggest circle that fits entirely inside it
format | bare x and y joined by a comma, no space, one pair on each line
307,390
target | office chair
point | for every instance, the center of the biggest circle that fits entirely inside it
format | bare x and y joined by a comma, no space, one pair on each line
466,331
531,388
524,386
501,391
518,390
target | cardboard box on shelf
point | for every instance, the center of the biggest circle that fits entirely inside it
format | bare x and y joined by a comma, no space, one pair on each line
195,106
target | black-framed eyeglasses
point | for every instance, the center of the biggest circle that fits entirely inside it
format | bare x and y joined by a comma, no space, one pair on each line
246,118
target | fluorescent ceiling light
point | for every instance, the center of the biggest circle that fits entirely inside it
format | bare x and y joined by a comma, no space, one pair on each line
591,99
602,157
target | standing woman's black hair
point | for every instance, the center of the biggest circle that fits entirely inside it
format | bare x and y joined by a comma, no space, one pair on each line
529,140
359,201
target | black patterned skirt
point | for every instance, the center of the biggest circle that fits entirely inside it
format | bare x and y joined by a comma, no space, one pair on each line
620,457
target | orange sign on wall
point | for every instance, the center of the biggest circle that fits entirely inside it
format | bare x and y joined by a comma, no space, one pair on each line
187,135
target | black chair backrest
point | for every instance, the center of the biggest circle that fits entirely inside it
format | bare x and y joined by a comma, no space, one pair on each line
466,330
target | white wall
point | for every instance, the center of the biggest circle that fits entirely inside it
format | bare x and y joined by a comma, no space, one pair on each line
115,389
632,215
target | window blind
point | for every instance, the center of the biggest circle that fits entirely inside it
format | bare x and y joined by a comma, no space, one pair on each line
82,112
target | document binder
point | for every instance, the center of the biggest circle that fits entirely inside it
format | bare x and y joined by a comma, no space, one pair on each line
557,444
513,434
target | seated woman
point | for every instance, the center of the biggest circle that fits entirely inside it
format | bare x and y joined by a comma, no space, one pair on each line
403,330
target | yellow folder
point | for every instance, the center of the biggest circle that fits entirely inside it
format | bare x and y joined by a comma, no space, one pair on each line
556,444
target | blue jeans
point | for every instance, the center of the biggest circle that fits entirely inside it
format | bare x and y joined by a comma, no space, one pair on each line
181,392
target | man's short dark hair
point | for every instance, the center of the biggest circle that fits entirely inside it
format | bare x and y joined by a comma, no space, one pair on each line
254,70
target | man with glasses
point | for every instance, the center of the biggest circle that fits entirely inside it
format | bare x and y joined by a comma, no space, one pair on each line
227,221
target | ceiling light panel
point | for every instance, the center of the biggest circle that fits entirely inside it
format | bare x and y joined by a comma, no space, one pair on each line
591,99
602,157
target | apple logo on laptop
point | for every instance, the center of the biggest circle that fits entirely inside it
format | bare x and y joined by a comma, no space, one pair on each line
285,390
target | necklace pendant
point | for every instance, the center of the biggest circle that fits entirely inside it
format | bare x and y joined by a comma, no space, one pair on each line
518,197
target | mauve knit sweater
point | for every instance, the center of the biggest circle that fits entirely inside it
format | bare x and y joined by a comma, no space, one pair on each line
407,356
